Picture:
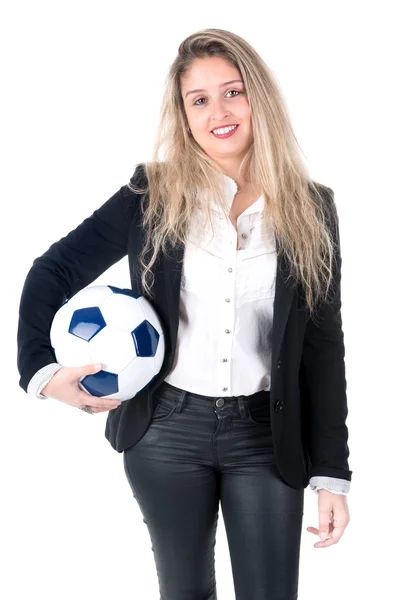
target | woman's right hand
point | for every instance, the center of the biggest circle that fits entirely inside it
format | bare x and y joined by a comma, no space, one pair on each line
64,386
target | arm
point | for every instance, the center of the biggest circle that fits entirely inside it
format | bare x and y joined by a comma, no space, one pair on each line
322,375
66,267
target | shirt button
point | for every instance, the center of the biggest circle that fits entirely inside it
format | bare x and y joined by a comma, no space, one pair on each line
230,269
224,389
224,359
244,235
227,330
227,299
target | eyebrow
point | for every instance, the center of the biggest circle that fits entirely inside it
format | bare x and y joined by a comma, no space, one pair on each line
222,85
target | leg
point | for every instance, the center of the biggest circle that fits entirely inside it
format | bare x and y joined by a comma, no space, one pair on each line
179,501
263,518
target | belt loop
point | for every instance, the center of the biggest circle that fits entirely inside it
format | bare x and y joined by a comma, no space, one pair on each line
242,408
181,400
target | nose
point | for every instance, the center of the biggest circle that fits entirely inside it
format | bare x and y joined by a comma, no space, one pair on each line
219,112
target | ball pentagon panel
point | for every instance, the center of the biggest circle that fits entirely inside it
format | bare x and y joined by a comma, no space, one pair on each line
86,323
145,338
100,384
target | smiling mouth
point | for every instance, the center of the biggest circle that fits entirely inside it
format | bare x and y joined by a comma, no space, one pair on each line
227,134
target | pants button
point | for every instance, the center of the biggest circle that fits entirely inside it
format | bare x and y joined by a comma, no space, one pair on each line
220,402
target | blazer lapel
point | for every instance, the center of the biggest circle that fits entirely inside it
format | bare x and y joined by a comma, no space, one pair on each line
284,294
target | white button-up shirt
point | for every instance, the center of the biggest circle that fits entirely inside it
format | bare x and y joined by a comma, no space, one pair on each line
226,305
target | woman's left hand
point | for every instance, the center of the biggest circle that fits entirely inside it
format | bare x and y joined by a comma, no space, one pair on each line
333,518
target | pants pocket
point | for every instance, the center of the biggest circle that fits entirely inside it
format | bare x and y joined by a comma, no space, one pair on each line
259,415
163,411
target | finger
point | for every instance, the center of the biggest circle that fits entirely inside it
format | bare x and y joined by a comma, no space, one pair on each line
89,369
324,517
313,530
335,537
110,402
97,401
316,531
100,410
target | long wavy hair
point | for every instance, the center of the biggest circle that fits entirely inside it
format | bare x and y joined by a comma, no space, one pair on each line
303,212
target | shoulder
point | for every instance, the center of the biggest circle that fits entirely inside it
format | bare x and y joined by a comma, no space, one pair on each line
324,191
324,197
139,177
135,191
156,171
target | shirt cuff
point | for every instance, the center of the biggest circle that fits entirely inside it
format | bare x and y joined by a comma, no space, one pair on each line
332,484
42,378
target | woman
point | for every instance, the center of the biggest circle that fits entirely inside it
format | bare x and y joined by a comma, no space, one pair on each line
239,252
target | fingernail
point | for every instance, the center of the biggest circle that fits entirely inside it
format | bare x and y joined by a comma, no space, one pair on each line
322,535
97,366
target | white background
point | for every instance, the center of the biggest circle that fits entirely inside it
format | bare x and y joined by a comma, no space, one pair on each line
81,90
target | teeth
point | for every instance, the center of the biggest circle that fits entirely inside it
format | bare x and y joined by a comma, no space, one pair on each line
224,130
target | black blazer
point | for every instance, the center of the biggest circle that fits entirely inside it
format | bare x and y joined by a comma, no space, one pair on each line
308,384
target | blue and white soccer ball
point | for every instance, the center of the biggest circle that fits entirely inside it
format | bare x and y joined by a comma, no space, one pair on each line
115,327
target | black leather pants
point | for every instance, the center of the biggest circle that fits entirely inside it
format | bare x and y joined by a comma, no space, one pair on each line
198,451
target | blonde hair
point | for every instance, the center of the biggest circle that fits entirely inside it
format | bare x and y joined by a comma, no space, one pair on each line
303,212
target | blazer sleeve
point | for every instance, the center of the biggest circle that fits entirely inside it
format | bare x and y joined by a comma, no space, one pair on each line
66,267
323,375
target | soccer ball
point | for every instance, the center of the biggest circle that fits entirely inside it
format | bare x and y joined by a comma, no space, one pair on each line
115,327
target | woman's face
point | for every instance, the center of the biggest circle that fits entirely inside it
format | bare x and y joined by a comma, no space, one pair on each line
219,100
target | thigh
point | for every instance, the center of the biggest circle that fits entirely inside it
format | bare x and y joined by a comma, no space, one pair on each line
179,502
263,519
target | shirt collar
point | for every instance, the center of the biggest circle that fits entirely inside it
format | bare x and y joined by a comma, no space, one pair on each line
231,189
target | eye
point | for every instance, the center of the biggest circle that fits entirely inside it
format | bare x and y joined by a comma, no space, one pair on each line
235,91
